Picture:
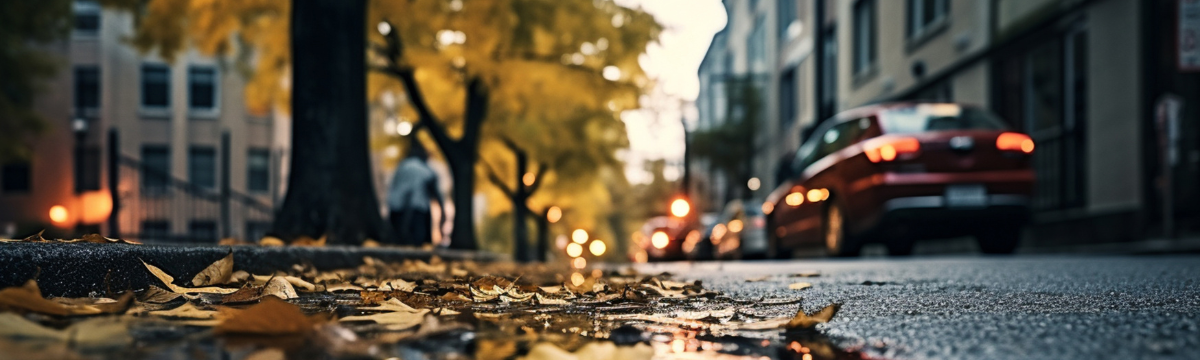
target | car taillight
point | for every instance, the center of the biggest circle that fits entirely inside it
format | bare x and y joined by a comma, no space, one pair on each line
1011,141
888,148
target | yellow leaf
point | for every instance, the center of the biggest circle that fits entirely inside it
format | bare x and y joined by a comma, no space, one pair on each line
186,311
29,298
169,281
218,272
799,286
804,321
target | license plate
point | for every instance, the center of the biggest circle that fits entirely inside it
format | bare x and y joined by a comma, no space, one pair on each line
966,196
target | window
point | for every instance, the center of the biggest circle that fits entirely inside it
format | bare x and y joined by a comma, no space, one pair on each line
258,172
15,177
787,97
87,169
864,36
925,15
87,17
156,86
757,46
787,19
203,231
829,58
202,166
87,89
202,88
156,168
156,230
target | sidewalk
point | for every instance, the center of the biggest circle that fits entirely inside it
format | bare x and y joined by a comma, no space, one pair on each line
78,269
1143,247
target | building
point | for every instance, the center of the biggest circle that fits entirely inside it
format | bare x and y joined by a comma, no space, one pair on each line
186,159
1085,78
767,46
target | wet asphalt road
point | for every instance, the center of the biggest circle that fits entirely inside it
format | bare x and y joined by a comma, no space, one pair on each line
978,307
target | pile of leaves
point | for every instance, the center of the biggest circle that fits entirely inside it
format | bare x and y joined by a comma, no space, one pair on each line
504,310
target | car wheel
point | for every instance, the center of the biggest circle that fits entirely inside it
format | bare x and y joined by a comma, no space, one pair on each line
999,241
775,248
834,232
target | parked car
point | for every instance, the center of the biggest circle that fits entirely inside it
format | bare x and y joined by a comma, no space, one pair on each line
697,246
739,233
662,238
897,173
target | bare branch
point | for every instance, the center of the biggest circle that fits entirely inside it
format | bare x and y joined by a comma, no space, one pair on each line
494,177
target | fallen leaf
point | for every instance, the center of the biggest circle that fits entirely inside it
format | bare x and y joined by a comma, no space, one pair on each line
280,288
102,332
17,326
799,286
157,295
267,354
36,237
300,283
219,272
395,320
759,278
169,281
270,241
809,273
29,298
804,321
186,311
369,243
308,241
272,316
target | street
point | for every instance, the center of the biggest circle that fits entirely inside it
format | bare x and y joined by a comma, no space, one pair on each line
973,307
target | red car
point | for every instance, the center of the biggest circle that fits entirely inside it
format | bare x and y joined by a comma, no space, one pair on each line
897,173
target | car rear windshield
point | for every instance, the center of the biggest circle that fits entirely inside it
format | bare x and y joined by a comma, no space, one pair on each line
938,117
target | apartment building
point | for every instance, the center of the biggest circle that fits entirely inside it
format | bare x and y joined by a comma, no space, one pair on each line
767,47
142,147
1109,90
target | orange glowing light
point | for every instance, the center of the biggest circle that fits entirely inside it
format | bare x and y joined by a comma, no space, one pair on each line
58,214
574,250
814,195
680,208
888,148
577,279
659,239
794,199
554,214
579,236
1015,142
528,179
579,263
597,247
718,233
96,207
824,194
735,225
677,345
767,208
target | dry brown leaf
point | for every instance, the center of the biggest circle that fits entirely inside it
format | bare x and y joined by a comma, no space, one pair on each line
396,320
36,237
267,354
272,316
169,281
280,288
243,295
300,283
308,241
157,295
95,333
270,241
29,298
219,272
799,286
804,321
759,278
186,311
369,243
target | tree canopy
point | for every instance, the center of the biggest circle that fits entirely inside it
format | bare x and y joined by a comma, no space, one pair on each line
25,28
556,73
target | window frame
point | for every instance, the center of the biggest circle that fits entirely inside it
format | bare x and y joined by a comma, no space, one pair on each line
193,173
916,30
79,73
147,171
204,112
86,8
250,170
154,110
864,58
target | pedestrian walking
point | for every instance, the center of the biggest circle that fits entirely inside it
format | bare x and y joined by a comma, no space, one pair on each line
410,198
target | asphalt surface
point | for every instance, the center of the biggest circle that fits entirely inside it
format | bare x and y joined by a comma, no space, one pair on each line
977,307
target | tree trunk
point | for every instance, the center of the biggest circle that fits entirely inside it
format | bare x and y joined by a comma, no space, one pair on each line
543,234
521,211
462,172
330,191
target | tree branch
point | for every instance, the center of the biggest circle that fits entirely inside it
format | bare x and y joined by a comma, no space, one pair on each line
494,177
537,179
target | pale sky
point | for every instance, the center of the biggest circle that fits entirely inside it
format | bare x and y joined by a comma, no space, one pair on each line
655,132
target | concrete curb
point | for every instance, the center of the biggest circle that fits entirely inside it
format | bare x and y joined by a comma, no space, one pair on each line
84,269
1142,247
